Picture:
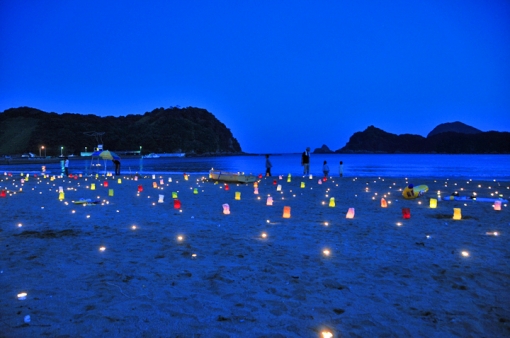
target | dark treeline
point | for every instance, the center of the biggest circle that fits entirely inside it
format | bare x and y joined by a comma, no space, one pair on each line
190,130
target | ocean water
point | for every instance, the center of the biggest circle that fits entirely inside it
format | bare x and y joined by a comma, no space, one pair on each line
355,165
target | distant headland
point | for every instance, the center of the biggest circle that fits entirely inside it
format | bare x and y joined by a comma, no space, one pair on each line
446,138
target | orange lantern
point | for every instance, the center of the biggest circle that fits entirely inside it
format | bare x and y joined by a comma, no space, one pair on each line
497,205
286,212
384,204
154,184
457,213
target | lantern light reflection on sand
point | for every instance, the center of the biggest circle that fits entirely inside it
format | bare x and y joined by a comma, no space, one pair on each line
326,252
464,254
133,227
263,235
494,233
102,248
326,334
180,238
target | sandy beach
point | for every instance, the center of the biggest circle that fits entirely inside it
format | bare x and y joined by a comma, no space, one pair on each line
131,266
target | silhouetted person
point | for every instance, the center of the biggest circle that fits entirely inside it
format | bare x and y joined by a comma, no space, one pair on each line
268,166
305,161
117,166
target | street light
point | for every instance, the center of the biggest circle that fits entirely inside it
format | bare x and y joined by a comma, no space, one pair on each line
140,150
44,151
61,150
40,151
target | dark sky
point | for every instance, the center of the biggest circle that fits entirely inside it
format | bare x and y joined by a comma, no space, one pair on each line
282,75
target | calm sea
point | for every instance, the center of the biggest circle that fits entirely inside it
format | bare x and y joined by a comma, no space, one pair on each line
387,165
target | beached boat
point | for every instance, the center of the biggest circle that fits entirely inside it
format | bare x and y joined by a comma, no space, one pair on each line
218,175
171,154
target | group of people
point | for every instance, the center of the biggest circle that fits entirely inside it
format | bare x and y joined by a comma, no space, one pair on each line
305,162
115,162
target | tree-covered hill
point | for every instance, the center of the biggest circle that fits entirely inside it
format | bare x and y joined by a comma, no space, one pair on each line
190,130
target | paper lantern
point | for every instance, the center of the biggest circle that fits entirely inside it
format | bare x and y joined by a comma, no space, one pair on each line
60,189
310,177
140,188
433,203
153,177
238,195
269,201
161,182
110,192
186,176
279,187
256,191
170,180
161,198
457,213
286,212
384,204
255,184
260,176
61,195
119,181
274,182
497,205
22,181
154,184
288,178
332,202
105,184
350,213
174,194
280,177
406,213
136,178
97,175
319,182
302,184
92,186
3,193
226,209
227,188
177,204
195,191
324,179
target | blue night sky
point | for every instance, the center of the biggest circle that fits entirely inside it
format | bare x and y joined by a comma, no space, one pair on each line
282,75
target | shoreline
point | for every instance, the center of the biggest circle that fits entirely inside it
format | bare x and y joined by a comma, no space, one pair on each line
383,275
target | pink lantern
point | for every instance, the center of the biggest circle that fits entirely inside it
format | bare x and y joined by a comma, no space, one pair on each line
226,209
350,213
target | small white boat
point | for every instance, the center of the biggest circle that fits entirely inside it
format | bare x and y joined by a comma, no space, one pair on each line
151,155
218,175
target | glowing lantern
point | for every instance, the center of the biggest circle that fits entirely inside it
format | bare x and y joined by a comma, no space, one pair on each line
92,186
310,177
110,192
260,176
174,194
457,213
433,203
161,182
288,178
256,191
195,191
22,181
153,177
238,195
136,178
279,187
302,184
255,184
406,213
286,212
384,204
154,184
324,179
170,179
269,201
61,195
227,187
186,176
177,204
350,213
319,182
332,202
497,205
3,193
274,182
105,184
161,198
226,209
140,188
60,189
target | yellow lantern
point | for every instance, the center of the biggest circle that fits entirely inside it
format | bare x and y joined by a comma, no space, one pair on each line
302,184
332,202
174,194
288,178
119,181
433,203
61,195
238,195
195,191
457,213
350,213
92,186
286,212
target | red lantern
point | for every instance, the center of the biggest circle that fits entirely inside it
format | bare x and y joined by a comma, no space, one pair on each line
226,187
177,204
274,182
2,193
324,179
406,213
260,176
140,188
105,184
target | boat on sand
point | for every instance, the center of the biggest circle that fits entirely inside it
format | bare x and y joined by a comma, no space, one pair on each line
224,176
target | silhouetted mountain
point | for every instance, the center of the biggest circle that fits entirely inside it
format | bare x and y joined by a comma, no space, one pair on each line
374,140
189,130
323,150
456,127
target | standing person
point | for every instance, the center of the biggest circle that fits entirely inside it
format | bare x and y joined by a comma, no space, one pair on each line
325,169
341,169
66,166
269,165
117,166
305,161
